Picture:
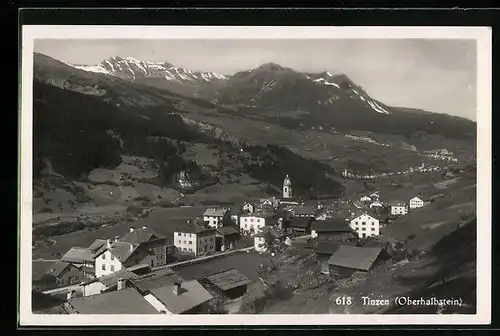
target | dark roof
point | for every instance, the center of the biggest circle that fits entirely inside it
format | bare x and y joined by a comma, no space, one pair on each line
227,230
192,294
195,229
78,255
331,226
215,212
57,268
326,247
96,245
157,279
141,235
112,279
300,222
305,210
228,279
125,301
361,258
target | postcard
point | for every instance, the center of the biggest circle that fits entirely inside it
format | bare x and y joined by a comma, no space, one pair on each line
255,175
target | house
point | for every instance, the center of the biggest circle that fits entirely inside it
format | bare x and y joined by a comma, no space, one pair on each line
116,255
305,211
398,208
248,207
376,204
418,202
187,297
252,223
301,225
365,225
79,256
106,283
82,258
158,245
260,244
324,250
61,274
121,301
365,199
214,217
337,230
195,239
225,238
375,196
324,213
230,283
349,259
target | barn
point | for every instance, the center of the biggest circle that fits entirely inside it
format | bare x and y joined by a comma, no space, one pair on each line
349,259
230,283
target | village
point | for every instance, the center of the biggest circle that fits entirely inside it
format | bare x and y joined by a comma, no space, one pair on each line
209,263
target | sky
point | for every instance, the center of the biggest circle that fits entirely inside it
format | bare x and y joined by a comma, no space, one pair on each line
434,75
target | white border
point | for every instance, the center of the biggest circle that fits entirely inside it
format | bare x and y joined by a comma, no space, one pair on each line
481,34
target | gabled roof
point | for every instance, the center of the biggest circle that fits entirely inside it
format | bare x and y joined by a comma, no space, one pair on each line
301,222
78,255
215,212
227,230
125,301
142,235
361,258
156,279
57,268
331,226
120,250
96,245
327,247
192,294
228,279
195,229
112,279
305,210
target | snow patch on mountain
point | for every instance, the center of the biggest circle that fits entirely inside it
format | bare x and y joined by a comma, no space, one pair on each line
131,68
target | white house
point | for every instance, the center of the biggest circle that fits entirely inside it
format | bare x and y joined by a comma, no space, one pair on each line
195,239
365,199
416,202
214,217
248,207
252,223
376,204
259,243
365,225
398,209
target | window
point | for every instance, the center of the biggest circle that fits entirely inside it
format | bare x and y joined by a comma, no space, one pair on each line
180,241
112,257
190,242
356,222
179,234
373,229
112,268
363,223
184,242
190,250
251,220
184,235
103,256
103,267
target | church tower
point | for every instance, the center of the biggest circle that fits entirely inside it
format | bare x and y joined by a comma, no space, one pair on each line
287,187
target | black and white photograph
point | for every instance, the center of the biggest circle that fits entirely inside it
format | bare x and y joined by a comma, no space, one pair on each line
299,175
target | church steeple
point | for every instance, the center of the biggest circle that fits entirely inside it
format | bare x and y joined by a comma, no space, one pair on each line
287,187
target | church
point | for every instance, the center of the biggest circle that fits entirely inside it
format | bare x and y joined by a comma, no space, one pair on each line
287,193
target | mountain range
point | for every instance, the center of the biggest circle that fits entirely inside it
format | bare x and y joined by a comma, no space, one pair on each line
323,117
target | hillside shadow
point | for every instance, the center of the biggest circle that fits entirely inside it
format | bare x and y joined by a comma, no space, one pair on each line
455,278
